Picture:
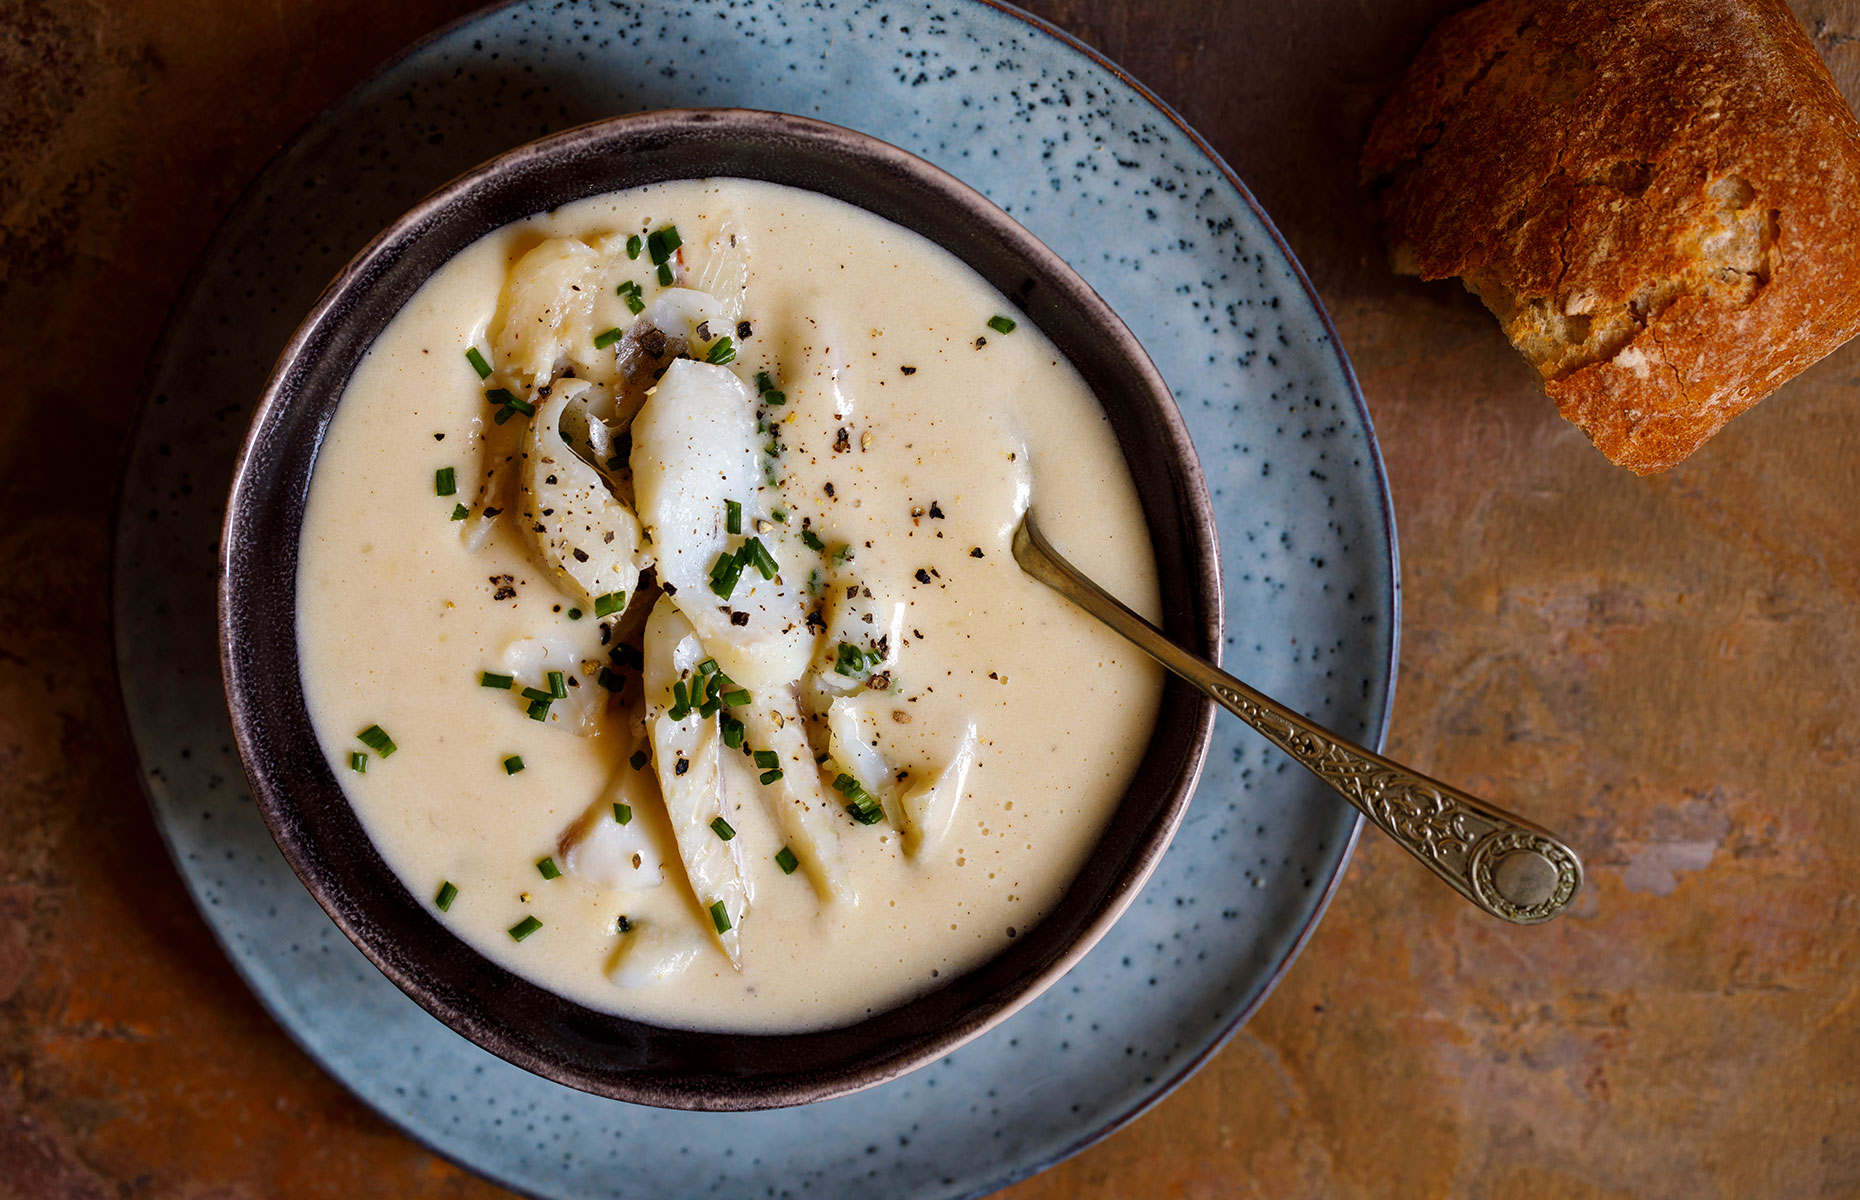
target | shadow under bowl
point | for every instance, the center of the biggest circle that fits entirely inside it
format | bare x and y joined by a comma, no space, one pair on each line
298,792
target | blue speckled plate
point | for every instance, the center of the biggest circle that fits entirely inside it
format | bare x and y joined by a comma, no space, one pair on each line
1117,185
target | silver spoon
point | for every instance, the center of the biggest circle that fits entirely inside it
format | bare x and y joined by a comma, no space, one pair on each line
1503,864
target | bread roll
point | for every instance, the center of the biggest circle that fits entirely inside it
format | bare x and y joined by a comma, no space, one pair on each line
1659,199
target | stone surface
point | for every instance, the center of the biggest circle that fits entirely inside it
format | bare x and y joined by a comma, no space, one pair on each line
1666,670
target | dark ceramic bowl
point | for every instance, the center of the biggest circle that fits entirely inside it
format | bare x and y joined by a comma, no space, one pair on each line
304,804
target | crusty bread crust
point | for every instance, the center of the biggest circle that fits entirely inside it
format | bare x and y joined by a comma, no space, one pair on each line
1659,199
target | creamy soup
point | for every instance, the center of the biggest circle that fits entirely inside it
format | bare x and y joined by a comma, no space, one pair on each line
657,612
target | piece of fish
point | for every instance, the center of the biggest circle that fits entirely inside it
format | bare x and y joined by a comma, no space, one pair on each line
696,451
580,529
685,756
806,815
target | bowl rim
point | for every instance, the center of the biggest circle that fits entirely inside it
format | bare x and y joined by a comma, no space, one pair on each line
1201,553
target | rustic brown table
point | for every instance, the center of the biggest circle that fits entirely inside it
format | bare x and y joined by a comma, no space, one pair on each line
1668,670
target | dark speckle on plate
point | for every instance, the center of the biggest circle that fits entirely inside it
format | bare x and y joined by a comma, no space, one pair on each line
1133,201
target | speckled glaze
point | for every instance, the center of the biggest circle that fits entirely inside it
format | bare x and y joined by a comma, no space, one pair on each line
290,772
1112,182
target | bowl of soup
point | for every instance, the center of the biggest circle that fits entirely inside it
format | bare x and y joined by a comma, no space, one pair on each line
620,630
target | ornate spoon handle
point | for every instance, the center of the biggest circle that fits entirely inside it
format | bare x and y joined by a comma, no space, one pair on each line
1504,864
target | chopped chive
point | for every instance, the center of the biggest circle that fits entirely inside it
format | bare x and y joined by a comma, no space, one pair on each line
539,710
530,693
665,275
445,482
787,861
611,603
486,679
866,815
558,685
763,382
638,763
732,732
680,697
848,659
610,680
524,928
812,540
502,397
723,350
460,512
513,764
604,340
547,869
708,708
770,776
720,918
767,759
736,698
732,516
662,242
477,362
813,583
1001,324
632,246
779,516
447,894
722,829
503,414
774,399
634,303
623,813
842,553
760,556
724,573
358,762
574,614
376,739
623,925
709,667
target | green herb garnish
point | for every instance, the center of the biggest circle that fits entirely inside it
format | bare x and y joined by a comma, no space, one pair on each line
732,516
623,813
604,340
513,764
524,928
722,829
547,869
460,512
447,894
558,685
723,350
787,861
376,739
720,918
358,762
611,603
477,362
632,247
445,482
1001,324
486,679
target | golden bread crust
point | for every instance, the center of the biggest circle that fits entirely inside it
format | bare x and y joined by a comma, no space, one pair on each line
1659,200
